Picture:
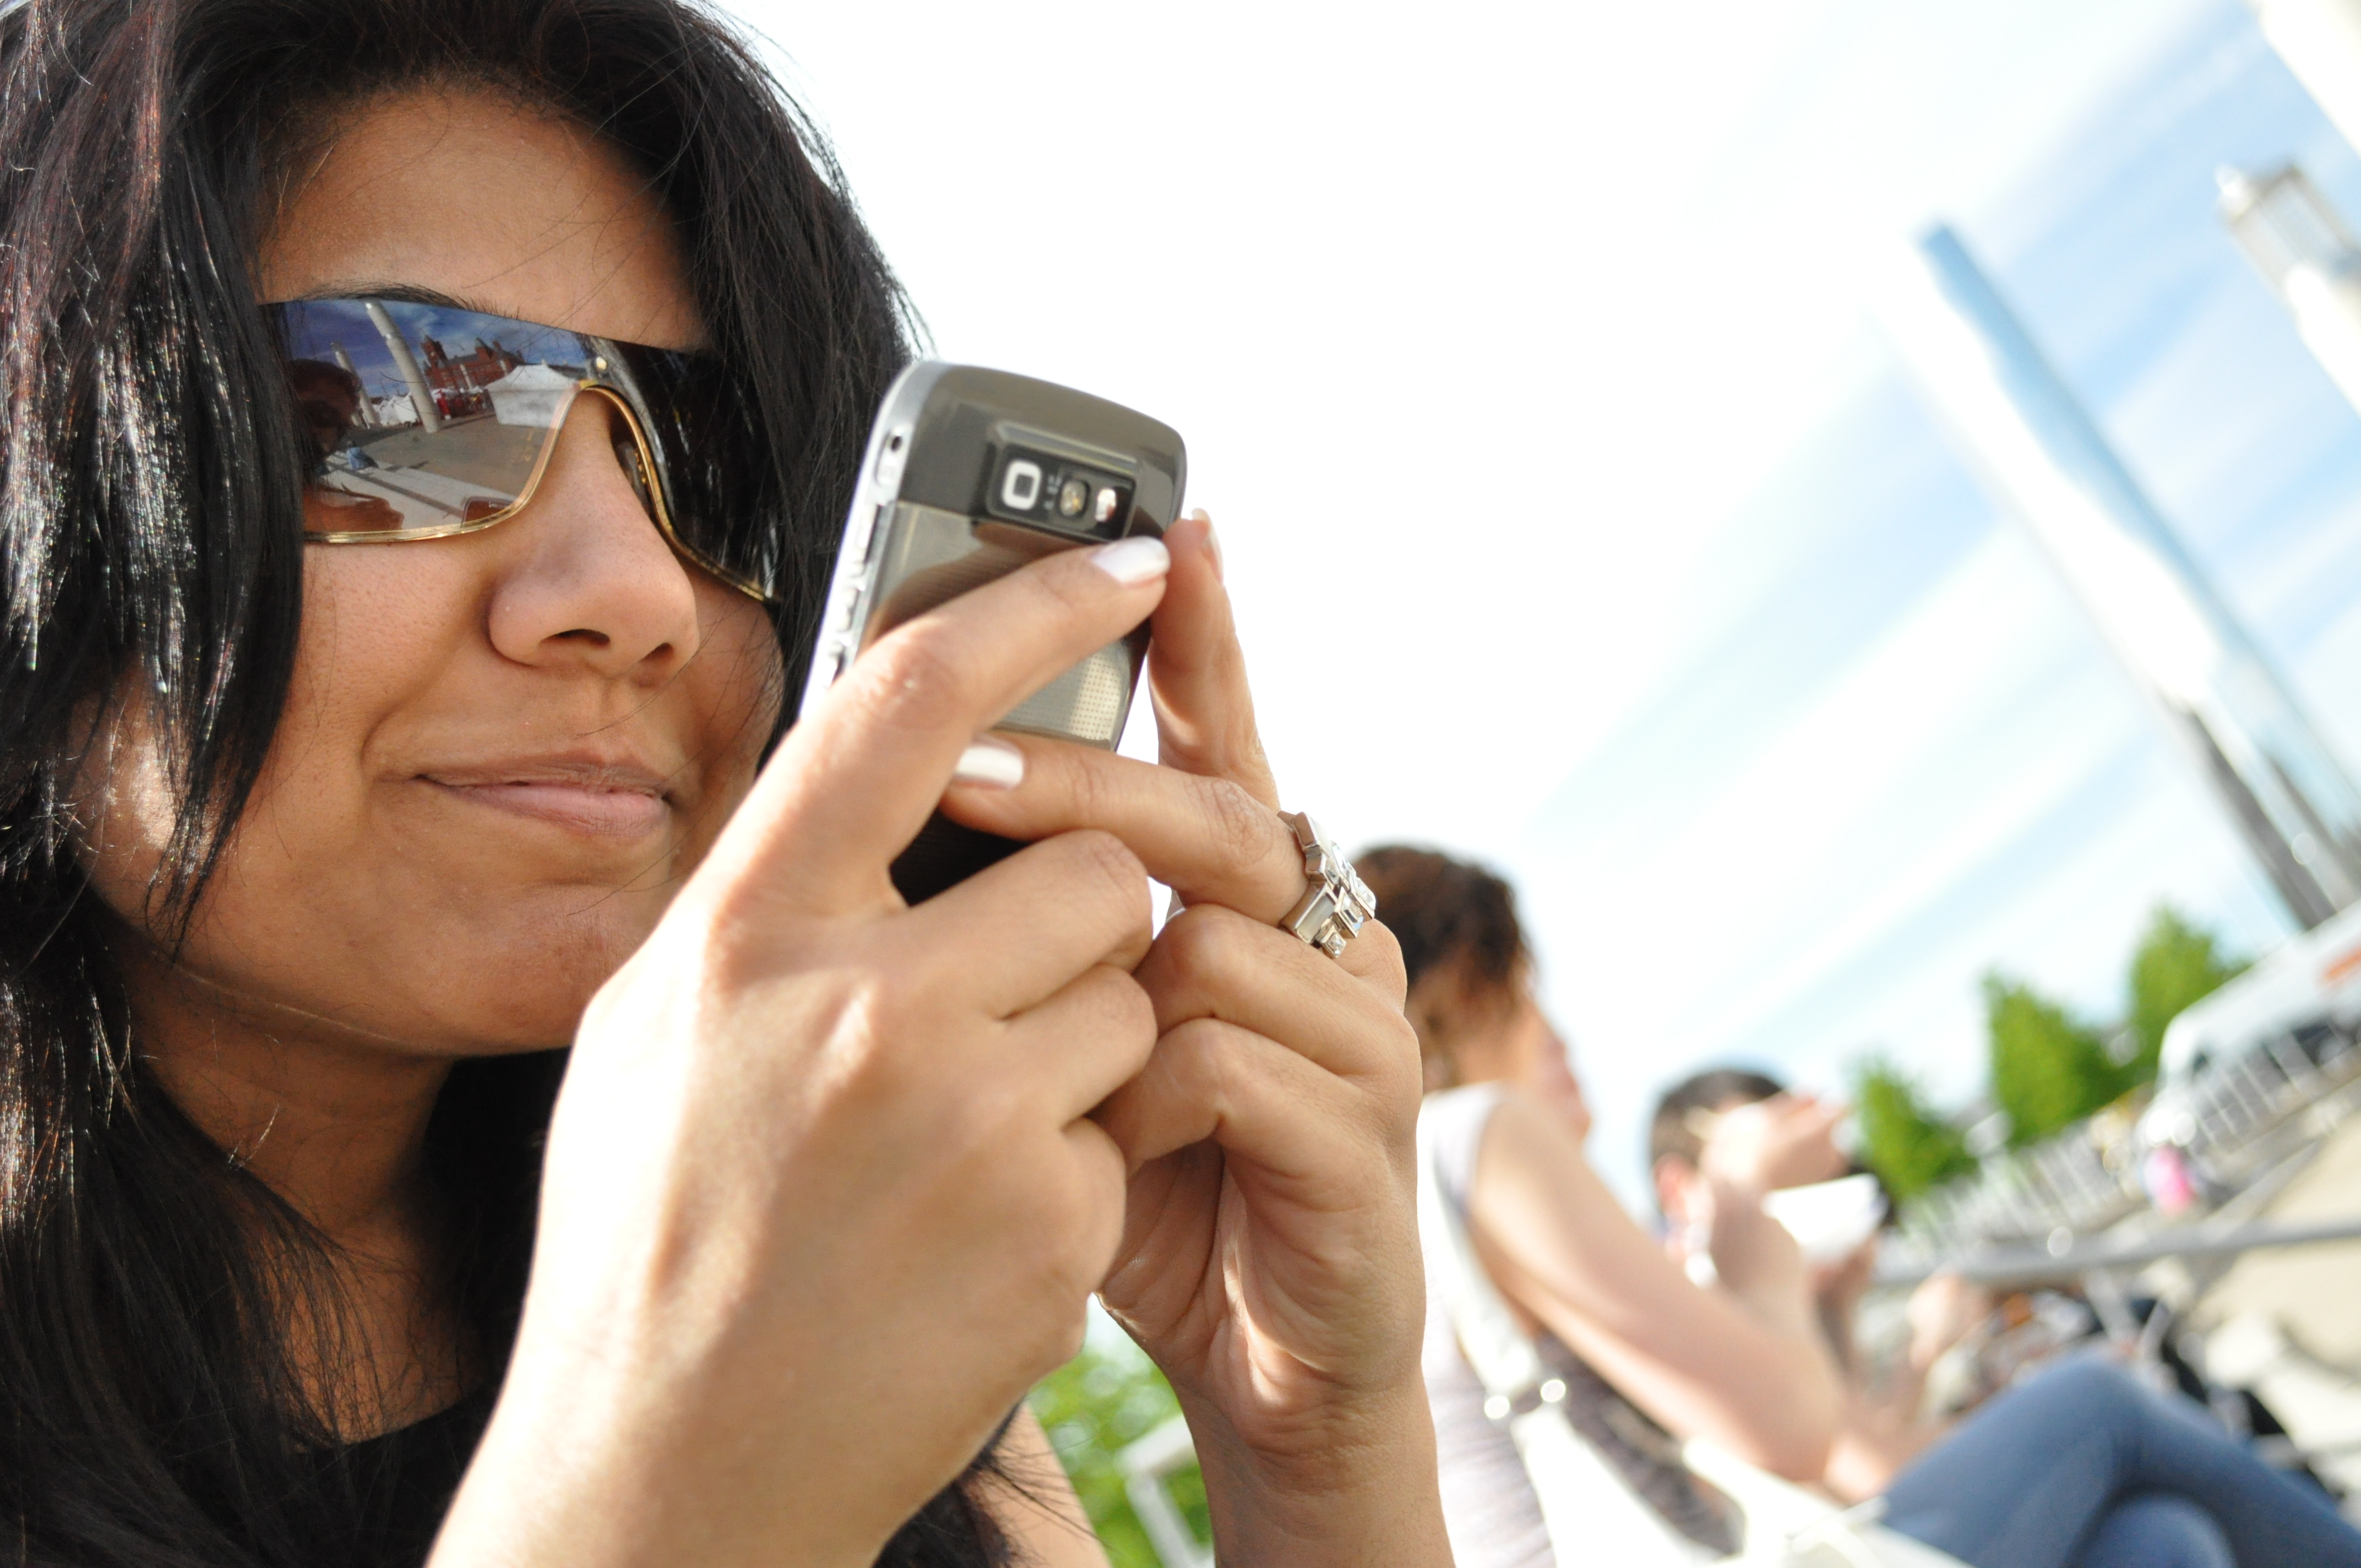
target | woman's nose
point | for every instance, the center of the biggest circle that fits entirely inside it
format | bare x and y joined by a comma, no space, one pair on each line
585,579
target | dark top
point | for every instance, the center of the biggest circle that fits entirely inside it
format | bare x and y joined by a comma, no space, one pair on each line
404,1482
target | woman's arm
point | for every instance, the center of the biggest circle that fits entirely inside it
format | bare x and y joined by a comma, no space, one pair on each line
1887,1427
1562,1248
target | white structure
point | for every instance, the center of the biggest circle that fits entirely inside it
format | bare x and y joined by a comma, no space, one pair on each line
2308,257
2042,456
367,411
532,394
2320,41
421,400
2314,979
1146,1466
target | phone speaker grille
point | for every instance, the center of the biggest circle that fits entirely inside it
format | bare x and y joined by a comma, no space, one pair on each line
1087,703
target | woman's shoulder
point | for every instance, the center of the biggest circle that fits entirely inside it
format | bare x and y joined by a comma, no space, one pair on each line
1451,1125
1526,1140
1469,1103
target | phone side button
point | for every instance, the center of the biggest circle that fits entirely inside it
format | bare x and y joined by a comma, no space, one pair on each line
842,619
858,538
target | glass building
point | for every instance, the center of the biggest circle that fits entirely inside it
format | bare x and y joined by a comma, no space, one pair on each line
2043,458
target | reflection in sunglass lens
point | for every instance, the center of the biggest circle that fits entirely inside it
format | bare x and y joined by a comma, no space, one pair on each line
424,419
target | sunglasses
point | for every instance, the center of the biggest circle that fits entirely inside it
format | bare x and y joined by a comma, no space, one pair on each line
428,420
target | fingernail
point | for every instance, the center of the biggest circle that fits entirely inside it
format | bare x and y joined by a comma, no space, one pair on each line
1212,542
1131,562
988,764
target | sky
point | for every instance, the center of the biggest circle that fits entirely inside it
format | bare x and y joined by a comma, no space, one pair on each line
1577,516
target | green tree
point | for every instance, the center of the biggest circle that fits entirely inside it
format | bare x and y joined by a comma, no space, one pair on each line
1902,1139
2049,1069
2175,964
1095,1407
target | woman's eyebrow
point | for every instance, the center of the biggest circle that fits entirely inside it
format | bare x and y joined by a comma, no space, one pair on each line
400,293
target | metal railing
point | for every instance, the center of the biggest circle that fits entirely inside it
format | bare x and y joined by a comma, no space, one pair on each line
2232,1122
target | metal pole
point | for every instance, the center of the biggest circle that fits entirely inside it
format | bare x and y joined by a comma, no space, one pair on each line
2033,1263
420,398
367,414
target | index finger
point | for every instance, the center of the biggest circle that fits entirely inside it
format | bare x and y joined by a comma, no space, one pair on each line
1207,839
857,776
1197,672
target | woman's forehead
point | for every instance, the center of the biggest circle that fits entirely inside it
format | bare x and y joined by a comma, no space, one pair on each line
510,209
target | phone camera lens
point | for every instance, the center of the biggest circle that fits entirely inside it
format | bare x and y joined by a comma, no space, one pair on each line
1020,486
1072,497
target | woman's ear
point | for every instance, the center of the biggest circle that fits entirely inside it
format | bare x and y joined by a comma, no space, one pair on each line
1428,1008
1459,1019
1672,1176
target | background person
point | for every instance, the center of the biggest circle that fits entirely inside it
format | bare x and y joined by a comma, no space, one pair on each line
1883,1424
2080,1468
1649,1357
316,858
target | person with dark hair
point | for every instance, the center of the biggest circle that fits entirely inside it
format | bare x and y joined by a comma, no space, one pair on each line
1791,1144
1684,1115
2083,1468
1474,1015
1639,1353
469,1085
2078,1457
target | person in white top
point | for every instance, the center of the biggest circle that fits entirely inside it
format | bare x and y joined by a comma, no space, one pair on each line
1650,1355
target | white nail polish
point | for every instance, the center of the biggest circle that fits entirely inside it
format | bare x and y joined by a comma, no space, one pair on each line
988,764
1133,561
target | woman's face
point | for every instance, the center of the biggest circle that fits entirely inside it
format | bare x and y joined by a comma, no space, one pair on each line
1498,1033
503,751
1536,1057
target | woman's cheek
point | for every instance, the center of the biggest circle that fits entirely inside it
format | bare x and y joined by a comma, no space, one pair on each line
736,684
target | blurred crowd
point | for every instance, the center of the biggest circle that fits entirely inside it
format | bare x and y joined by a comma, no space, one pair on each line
1714,1387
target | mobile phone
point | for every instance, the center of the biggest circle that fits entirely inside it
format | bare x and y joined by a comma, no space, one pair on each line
970,474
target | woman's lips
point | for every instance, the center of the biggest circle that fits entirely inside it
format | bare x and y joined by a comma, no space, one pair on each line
607,802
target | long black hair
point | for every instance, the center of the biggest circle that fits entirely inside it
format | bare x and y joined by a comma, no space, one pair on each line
151,542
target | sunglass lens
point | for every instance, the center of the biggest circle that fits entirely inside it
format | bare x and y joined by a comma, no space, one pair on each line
700,425
422,419
425,419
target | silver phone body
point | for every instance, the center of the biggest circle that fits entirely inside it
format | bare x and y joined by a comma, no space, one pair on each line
936,512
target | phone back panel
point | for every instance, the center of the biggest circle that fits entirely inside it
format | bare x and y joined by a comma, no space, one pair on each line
970,474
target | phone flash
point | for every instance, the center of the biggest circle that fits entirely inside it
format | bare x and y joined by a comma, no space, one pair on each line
1105,508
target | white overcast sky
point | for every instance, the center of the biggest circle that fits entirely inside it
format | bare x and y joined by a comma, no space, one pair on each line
1488,325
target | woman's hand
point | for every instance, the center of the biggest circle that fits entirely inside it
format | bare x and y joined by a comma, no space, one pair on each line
1269,1259
1788,1140
822,1197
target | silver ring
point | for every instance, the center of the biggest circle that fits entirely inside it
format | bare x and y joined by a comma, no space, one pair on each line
1337,903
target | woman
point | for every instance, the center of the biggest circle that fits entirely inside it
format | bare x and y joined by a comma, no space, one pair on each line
1643,1353
321,841
2078,1468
